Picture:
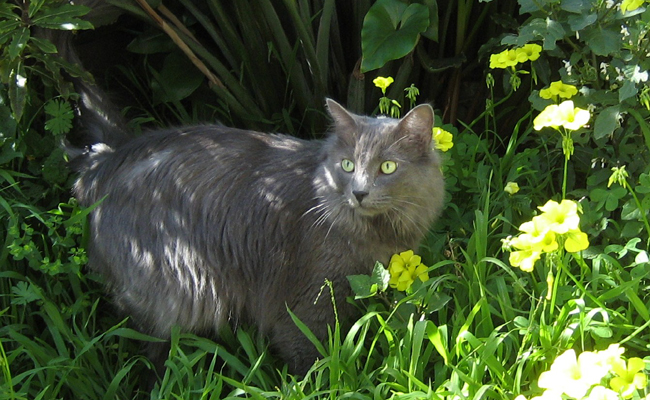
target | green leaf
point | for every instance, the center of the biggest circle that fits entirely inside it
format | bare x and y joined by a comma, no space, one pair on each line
607,121
575,6
178,79
24,293
530,6
434,22
627,90
362,286
18,43
391,29
35,7
603,42
380,276
61,117
18,89
548,30
44,45
54,168
7,29
438,339
579,22
64,17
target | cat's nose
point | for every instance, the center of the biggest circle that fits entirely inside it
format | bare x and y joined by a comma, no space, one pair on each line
360,195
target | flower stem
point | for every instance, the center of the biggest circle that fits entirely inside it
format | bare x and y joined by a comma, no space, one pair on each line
564,178
641,209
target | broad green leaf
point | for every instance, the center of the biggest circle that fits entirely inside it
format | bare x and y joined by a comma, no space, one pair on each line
603,42
361,286
178,79
575,6
607,121
434,22
531,6
390,31
579,22
380,276
548,30
627,90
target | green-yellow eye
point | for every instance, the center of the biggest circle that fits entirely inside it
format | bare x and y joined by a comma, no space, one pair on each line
388,167
347,165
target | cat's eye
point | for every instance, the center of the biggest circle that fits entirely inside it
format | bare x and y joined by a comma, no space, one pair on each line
347,165
388,167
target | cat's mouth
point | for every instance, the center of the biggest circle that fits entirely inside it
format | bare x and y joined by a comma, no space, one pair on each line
365,208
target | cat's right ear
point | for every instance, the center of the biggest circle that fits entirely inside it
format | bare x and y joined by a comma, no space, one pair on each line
342,118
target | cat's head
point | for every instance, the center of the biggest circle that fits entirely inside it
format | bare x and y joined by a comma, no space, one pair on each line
383,166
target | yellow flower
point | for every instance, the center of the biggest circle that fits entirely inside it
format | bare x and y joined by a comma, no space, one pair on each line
573,375
629,376
602,393
539,235
563,90
529,52
497,61
548,117
404,269
511,188
443,139
575,240
524,259
510,58
564,114
507,58
383,83
572,117
546,94
611,354
630,5
560,217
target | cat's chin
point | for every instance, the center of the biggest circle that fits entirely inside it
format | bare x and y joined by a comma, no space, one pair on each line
367,211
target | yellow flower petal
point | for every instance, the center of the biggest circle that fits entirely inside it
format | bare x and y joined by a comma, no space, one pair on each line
576,240
443,139
383,83
511,188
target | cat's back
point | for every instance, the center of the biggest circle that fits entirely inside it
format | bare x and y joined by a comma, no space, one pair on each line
195,160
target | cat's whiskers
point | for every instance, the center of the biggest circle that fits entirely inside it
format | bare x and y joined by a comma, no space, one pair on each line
396,142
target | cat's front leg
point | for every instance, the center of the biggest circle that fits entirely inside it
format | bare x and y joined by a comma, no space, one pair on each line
291,344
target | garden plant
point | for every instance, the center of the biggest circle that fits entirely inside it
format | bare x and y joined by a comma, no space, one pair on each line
535,282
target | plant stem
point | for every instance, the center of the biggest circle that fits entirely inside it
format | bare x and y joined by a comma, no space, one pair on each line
641,210
564,177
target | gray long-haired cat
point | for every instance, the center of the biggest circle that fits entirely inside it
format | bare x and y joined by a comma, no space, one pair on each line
207,225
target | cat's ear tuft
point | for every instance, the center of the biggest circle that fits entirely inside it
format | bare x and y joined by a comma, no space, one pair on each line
418,123
342,117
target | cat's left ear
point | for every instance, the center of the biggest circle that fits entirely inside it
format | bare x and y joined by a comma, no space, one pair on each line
418,124
342,117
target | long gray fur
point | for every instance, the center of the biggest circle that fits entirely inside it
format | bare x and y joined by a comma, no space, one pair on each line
206,226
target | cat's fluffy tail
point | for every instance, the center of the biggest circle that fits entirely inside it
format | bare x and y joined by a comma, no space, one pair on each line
100,123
